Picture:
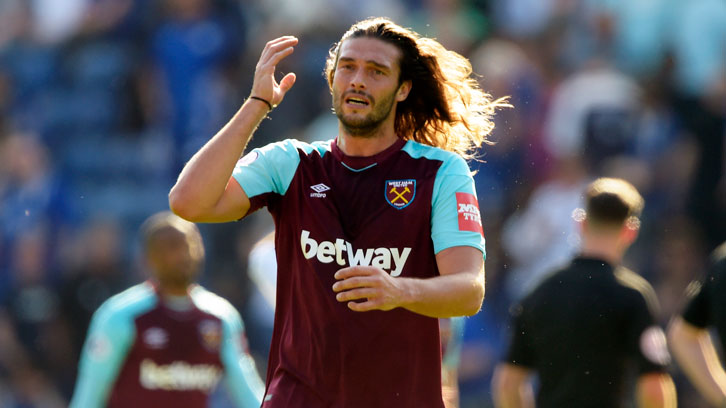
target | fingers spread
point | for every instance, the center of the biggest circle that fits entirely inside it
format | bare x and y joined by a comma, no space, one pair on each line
272,48
275,58
279,40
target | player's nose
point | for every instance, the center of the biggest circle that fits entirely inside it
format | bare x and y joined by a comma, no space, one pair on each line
357,80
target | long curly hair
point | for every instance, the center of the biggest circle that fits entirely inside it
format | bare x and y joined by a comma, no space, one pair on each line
445,108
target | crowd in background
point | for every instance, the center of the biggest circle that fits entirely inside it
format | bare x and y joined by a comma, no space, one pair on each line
102,101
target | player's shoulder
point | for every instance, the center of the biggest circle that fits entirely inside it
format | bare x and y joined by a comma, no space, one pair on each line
420,150
636,287
295,146
127,304
210,302
451,163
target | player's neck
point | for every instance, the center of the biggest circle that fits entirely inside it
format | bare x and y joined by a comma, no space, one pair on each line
609,249
172,290
368,145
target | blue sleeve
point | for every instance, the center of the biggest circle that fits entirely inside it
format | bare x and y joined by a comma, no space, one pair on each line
110,336
455,217
269,169
243,382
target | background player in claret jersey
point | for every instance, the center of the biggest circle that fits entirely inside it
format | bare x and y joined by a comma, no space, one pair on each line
689,336
582,328
166,342
378,230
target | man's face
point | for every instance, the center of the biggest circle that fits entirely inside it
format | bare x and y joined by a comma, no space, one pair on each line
365,84
173,257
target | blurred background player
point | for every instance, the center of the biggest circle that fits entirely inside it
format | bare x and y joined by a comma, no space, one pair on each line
689,337
166,341
581,328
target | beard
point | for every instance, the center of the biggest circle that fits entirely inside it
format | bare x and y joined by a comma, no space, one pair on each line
367,125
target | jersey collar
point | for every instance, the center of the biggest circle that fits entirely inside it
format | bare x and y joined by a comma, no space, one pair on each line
360,163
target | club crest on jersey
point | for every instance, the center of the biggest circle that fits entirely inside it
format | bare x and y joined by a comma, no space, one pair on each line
400,193
210,332
156,337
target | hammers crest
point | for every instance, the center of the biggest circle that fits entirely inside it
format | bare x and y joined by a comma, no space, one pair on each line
400,193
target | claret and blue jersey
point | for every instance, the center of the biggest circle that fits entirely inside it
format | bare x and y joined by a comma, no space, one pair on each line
394,210
141,353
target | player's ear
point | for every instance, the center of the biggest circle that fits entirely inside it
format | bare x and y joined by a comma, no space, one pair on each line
580,218
403,91
630,230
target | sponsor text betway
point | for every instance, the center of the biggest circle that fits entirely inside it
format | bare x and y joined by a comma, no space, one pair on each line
342,252
179,376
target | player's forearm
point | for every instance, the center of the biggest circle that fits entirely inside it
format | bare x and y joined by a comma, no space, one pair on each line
204,178
459,294
656,390
513,399
696,355
511,387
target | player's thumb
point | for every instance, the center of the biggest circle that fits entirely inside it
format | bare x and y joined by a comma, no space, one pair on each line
287,82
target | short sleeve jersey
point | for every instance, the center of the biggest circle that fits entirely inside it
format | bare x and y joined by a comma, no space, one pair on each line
141,353
394,210
707,306
582,329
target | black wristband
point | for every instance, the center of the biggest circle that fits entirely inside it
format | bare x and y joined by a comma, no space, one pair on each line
269,105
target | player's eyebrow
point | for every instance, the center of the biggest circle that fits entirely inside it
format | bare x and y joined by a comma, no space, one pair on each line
375,63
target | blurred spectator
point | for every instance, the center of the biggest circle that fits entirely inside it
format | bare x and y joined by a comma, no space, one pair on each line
33,303
699,80
191,48
31,387
543,235
32,196
517,153
485,333
99,271
636,31
47,21
457,24
592,114
523,18
262,271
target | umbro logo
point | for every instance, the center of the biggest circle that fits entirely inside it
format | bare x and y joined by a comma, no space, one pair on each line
319,190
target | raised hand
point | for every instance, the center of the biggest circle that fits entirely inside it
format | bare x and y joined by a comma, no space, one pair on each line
265,85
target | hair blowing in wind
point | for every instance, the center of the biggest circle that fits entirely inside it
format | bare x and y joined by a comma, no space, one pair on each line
446,107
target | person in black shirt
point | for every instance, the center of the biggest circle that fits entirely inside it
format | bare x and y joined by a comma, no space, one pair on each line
584,325
688,334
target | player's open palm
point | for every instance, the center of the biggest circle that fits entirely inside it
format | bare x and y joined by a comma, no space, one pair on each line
368,288
265,85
